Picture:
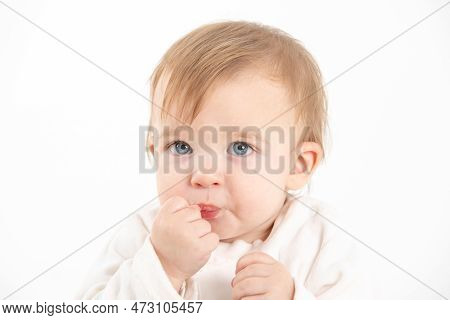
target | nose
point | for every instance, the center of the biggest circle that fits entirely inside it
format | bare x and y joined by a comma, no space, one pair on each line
208,172
206,179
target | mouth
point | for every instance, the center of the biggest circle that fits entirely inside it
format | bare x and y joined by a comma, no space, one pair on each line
208,211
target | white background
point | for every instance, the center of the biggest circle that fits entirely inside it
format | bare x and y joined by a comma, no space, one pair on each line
69,133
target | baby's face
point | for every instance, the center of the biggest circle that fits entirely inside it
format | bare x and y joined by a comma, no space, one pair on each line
215,162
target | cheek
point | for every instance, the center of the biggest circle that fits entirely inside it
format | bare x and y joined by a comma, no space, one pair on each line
256,175
168,187
277,161
170,181
245,166
173,168
274,163
251,193
256,196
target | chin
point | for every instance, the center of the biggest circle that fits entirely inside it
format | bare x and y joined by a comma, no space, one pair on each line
222,236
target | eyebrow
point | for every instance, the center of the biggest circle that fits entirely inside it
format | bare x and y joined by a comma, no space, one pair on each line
169,133
234,134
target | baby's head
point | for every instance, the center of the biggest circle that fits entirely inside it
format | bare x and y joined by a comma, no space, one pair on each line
238,117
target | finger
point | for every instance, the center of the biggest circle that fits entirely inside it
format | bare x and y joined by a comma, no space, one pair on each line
191,213
253,257
174,204
210,241
249,287
254,270
201,227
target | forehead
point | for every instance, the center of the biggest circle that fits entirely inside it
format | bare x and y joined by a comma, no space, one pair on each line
248,99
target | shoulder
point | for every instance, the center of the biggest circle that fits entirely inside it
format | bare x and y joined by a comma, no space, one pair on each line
316,215
316,230
329,260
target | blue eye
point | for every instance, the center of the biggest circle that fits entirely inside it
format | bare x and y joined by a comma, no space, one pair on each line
240,148
180,148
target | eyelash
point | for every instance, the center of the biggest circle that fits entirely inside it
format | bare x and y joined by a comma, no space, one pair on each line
170,145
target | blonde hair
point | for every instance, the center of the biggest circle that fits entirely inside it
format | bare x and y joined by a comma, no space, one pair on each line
217,51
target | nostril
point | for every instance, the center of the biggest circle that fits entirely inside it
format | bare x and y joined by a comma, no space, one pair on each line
205,185
199,180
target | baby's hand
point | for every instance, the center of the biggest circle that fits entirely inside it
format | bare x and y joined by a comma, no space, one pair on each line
182,240
260,277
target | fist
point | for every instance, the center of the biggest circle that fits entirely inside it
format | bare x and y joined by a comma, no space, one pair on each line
182,240
261,277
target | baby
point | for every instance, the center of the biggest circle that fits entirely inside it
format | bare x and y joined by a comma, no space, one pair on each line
238,118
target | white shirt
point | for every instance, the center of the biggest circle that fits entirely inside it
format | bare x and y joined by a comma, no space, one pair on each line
320,257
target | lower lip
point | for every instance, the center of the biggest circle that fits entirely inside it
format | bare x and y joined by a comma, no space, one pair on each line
209,214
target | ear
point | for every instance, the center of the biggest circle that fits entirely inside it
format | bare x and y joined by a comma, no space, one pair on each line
307,157
149,144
